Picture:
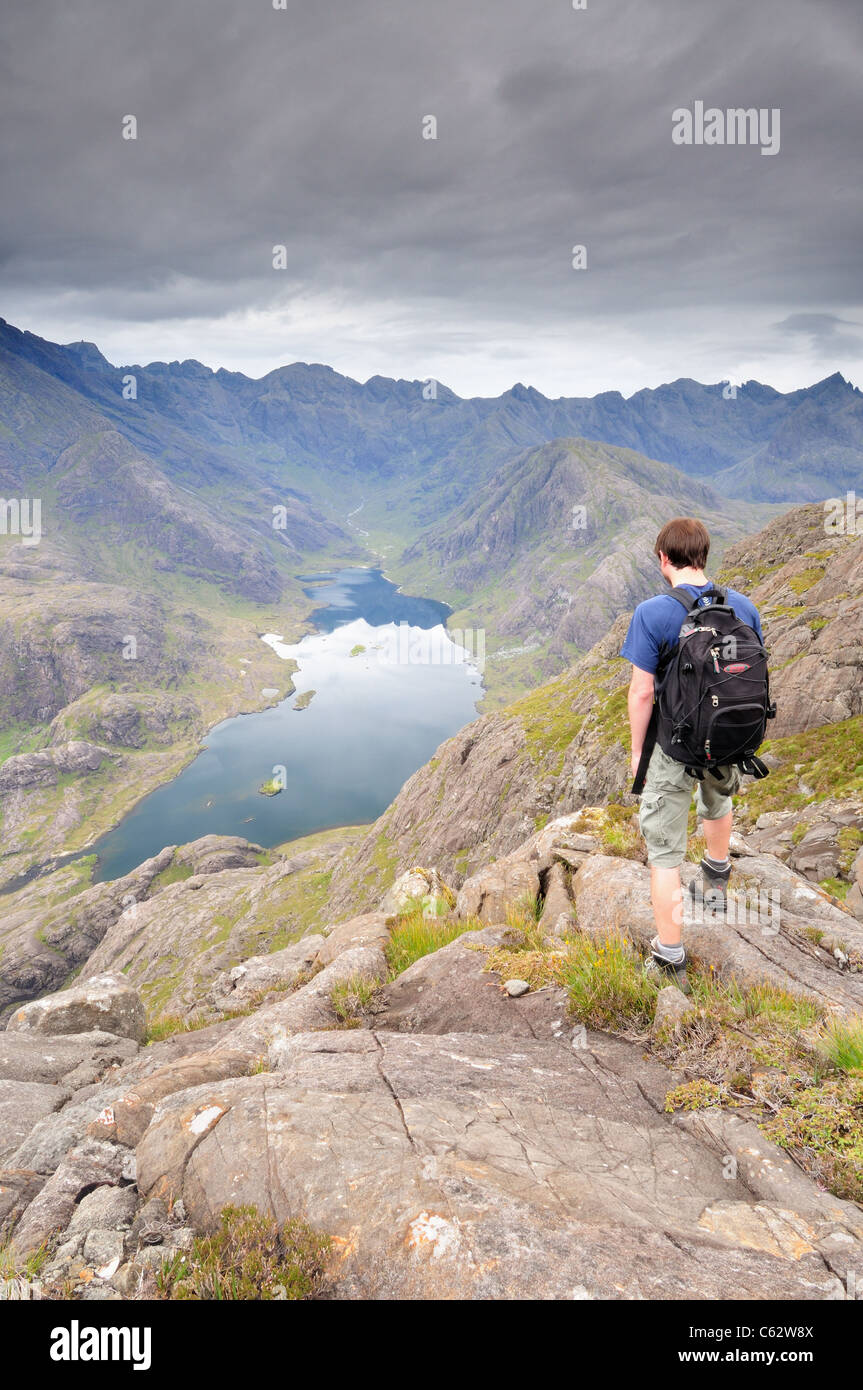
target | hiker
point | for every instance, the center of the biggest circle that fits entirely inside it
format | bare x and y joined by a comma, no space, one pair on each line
698,702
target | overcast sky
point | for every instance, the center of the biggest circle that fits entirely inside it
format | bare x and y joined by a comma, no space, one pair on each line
447,258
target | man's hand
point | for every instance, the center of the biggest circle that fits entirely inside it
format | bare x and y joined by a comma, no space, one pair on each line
634,761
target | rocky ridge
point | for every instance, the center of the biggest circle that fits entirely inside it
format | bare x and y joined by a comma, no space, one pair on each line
452,1136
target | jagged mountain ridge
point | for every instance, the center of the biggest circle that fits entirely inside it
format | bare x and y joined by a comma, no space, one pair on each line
300,417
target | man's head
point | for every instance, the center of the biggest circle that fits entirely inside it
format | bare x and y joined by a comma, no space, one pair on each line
682,544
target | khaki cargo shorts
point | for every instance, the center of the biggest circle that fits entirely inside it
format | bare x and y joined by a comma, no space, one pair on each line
664,811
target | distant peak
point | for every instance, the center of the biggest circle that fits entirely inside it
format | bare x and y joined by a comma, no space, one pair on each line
86,353
520,392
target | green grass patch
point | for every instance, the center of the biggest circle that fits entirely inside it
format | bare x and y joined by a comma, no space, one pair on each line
837,887
175,873
251,1257
822,1127
604,978
607,984
800,583
415,936
842,1045
828,759
351,999
170,1024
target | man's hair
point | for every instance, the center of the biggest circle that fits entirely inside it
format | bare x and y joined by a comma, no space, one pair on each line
685,541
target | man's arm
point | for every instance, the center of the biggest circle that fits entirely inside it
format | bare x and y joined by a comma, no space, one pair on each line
640,705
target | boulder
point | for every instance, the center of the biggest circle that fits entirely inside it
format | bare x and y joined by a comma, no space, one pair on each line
106,1208
508,883
372,929
469,1166
245,984
84,1168
817,855
672,1007
423,884
106,1003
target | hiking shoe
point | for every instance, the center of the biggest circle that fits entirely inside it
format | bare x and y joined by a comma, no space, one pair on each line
713,888
667,973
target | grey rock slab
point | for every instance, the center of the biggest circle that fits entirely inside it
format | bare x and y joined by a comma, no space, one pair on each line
450,990
479,1166
310,1006
22,1105
75,1060
18,1187
235,988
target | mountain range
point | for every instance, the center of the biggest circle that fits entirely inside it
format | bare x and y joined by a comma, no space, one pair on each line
180,505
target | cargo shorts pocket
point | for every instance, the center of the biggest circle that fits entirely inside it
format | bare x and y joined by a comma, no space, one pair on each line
715,794
651,820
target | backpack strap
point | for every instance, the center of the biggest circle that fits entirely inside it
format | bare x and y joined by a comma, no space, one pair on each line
691,602
683,596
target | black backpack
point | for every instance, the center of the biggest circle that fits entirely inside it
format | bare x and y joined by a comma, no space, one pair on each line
712,691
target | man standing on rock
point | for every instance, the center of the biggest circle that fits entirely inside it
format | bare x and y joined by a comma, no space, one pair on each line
682,547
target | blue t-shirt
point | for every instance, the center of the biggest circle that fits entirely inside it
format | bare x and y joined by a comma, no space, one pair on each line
658,620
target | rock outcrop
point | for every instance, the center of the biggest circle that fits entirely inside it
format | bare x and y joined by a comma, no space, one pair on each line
462,1139
105,1003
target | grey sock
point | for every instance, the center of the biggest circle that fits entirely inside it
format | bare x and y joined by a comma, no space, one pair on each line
675,955
716,863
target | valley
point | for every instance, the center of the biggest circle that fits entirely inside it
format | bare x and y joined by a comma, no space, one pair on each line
422,659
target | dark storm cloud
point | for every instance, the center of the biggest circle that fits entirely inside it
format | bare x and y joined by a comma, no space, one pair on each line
303,127
825,331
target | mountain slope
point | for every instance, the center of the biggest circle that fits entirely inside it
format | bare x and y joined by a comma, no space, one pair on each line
555,545
564,745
